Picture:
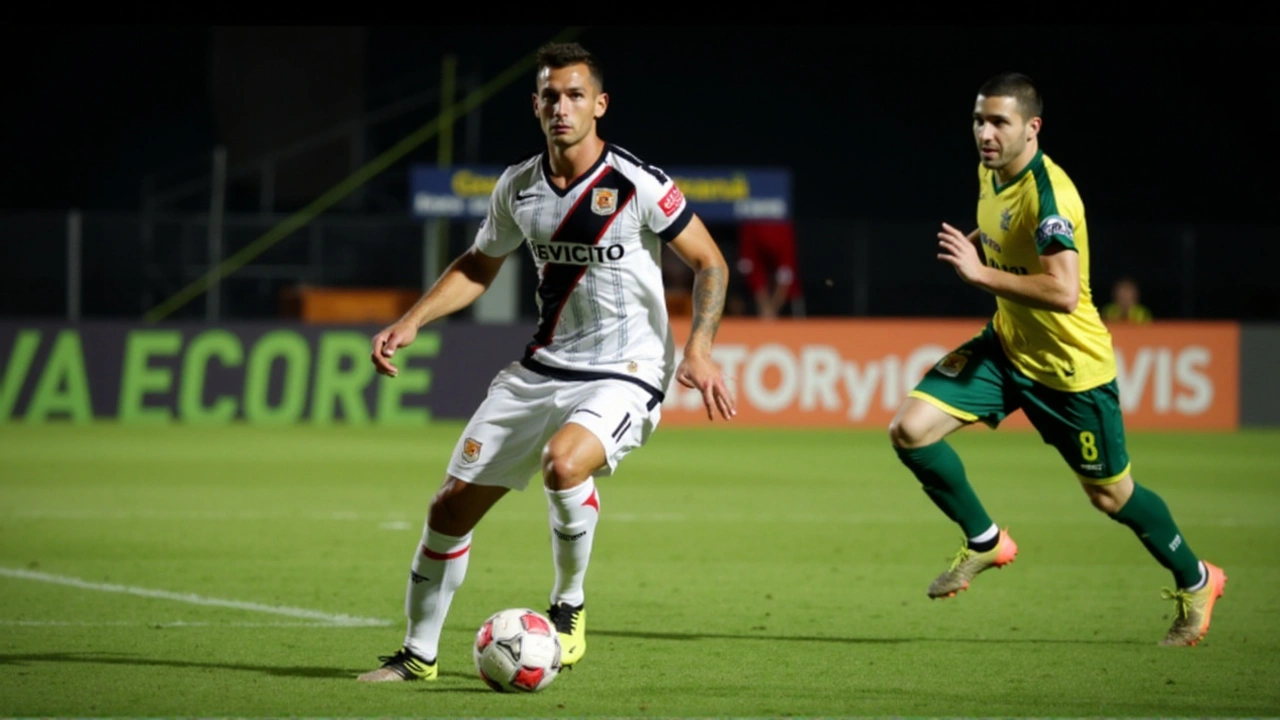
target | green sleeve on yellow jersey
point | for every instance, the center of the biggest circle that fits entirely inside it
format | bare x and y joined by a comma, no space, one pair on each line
1060,212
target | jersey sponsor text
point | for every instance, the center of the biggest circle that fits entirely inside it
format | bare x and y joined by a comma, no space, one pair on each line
577,254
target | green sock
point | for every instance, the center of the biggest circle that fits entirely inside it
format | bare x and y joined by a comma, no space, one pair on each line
939,470
1147,515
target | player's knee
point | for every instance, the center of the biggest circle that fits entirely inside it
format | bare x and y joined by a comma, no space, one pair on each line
895,432
562,468
1107,498
1105,503
442,516
906,431
445,514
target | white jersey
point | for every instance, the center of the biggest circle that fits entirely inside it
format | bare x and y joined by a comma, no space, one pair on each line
597,246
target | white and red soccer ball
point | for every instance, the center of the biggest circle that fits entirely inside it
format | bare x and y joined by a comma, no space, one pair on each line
517,650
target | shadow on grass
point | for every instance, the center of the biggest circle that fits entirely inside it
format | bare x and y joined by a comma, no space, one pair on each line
647,635
294,671
332,673
478,687
96,658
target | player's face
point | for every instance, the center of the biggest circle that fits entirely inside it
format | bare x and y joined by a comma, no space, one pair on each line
1000,131
568,104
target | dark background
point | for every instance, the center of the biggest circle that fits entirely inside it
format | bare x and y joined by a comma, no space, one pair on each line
1167,131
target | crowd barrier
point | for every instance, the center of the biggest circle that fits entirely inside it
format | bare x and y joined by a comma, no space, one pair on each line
789,373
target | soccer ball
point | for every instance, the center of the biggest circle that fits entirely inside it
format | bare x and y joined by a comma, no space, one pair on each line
517,650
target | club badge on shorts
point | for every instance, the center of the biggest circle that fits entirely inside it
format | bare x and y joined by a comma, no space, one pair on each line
470,450
604,201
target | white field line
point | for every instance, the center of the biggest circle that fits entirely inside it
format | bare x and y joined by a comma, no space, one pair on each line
93,514
172,624
193,599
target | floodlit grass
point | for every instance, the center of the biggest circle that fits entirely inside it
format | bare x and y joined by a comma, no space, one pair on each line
253,572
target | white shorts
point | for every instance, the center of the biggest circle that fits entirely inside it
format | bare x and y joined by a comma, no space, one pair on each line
502,444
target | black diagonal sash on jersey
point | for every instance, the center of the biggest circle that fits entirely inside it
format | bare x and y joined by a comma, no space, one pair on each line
580,225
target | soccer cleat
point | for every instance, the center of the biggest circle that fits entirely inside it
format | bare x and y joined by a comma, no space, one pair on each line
402,666
1191,614
968,563
571,625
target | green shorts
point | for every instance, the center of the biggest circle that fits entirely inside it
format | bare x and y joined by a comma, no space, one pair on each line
977,382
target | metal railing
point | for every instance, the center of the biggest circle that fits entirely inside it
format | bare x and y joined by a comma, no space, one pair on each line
157,197
80,265
412,93
440,127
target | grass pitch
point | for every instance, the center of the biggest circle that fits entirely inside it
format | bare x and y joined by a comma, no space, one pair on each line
255,571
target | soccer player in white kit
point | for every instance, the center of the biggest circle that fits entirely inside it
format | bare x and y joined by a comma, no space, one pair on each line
589,387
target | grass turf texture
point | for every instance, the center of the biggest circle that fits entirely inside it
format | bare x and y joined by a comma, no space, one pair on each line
254,571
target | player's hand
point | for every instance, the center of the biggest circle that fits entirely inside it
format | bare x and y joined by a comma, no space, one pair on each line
387,342
957,250
700,373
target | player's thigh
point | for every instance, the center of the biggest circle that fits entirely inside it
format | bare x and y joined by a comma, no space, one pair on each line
502,442
971,383
1086,428
621,416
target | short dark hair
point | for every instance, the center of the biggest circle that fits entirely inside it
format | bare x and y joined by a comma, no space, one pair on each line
1017,86
558,55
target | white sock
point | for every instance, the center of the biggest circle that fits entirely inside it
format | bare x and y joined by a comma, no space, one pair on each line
574,514
438,569
990,534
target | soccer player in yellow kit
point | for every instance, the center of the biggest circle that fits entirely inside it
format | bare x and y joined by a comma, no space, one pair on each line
1045,351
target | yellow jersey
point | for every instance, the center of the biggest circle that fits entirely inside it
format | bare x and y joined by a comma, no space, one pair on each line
1017,223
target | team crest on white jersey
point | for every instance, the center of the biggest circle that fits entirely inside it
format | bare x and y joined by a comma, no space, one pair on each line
470,450
604,201
596,248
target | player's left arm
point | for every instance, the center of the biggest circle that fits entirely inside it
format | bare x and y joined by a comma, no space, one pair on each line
666,212
1055,288
695,246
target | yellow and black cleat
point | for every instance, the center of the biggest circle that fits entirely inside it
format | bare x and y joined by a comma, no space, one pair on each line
571,625
401,667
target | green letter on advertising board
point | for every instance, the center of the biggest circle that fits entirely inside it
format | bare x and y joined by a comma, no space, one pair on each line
137,378
64,385
292,348
336,386
410,380
15,372
226,347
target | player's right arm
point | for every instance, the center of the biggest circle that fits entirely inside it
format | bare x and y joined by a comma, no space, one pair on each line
975,238
1056,289
465,280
